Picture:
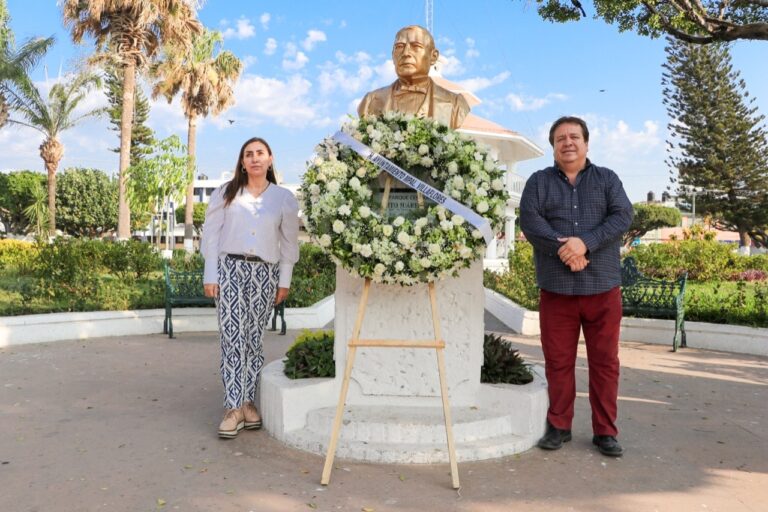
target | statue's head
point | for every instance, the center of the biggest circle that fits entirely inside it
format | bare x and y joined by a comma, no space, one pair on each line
413,52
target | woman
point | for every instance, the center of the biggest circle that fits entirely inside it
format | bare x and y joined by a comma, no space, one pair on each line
250,246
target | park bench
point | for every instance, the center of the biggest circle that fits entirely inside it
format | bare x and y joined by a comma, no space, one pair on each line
646,297
185,288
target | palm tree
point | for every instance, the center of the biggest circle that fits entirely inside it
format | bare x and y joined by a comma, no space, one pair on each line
52,117
129,33
206,85
15,63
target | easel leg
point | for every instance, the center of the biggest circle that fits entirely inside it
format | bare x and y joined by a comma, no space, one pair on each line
329,456
444,389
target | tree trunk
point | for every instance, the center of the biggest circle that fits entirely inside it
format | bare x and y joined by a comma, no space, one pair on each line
126,126
190,200
51,151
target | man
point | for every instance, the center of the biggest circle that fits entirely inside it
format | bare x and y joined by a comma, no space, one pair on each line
574,215
414,92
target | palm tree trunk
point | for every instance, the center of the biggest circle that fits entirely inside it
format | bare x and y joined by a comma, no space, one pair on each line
189,204
126,125
50,167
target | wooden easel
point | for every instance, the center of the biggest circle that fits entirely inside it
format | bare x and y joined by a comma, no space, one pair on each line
437,343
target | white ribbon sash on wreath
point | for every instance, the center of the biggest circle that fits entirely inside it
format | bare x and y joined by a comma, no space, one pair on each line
474,218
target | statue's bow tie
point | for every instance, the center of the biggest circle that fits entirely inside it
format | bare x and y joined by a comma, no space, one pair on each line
404,89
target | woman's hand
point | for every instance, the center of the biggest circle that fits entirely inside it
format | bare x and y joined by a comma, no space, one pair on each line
211,290
282,294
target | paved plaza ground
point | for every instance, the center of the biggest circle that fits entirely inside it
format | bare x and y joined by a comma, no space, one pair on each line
129,424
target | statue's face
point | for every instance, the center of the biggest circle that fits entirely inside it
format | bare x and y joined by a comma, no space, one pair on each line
413,53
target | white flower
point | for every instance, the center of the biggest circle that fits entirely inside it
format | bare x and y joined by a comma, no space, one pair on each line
379,269
356,248
319,161
458,182
344,210
399,266
448,138
489,165
334,186
446,225
434,248
387,230
498,210
365,250
364,212
482,192
403,238
425,262
417,230
453,167
423,149
478,156
465,252
477,234
497,184
325,240
354,183
338,226
398,221
314,189
471,187
456,194
360,172
421,222
426,161
482,207
457,220
398,136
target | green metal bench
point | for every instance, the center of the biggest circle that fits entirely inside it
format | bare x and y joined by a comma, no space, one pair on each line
185,288
182,288
646,297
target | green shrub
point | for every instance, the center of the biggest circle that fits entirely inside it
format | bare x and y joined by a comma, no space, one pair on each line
314,277
311,355
130,258
704,260
183,261
739,303
17,255
519,283
502,363
69,265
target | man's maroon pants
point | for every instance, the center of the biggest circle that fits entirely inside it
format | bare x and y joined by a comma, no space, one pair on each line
561,317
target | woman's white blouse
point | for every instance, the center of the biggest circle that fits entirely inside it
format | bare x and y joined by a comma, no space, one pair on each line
266,226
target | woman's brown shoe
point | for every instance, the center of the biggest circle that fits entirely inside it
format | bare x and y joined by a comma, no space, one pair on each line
232,423
252,416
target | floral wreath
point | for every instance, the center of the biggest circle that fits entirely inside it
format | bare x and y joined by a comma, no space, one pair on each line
343,217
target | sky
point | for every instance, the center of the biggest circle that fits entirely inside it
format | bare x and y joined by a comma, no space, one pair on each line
308,64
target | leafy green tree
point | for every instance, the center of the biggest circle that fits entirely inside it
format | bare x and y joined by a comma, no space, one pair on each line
198,215
15,63
694,21
141,134
17,191
205,80
86,202
129,34
649,217
718,146
37,212
51,117
162,178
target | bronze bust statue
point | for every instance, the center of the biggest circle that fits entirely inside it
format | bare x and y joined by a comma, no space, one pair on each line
414,92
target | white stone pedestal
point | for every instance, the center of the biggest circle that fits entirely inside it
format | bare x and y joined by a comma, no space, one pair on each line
394,412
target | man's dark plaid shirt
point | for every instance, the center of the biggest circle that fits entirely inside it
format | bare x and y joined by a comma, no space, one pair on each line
595,209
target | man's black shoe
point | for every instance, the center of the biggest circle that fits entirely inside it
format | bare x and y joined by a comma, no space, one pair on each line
608,445
554,438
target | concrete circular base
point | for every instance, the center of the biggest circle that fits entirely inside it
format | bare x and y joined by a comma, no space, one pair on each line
506,419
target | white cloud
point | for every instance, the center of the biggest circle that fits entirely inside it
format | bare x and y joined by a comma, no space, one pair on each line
385,72
264,20
249,60
286,103
270,46
244,30
449,65
617,141
298,62
521,103
472,52
313,37
333,77
479,83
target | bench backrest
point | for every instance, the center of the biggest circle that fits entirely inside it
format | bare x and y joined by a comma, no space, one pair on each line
184,285
639,292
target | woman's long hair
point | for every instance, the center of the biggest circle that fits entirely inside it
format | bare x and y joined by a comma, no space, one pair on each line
240,179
